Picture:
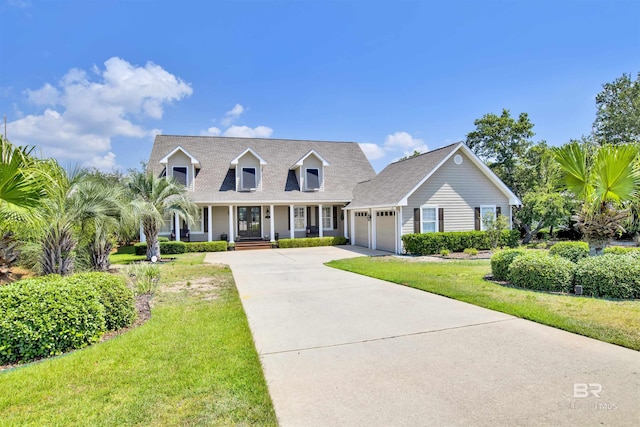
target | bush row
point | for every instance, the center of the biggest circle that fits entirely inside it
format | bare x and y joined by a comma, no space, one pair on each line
613,275
49,315
622,250
573,251
175,247
312,241
456,241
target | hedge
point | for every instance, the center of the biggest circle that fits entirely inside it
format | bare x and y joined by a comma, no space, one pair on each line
609,276
46,316
166,248
500,262
573,251
312,241
116,297
542,272
622,250
456,241
218,246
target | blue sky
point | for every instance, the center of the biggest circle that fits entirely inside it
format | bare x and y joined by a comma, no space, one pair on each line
92,82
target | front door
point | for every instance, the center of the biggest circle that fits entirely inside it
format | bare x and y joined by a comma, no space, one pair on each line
249,221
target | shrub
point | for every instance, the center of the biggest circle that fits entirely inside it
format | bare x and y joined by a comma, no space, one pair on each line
471,251
163,239
609,276
311,241
116,297
46,316
144,277
622,250
573,251
456,241
166,248
219,246
542,272
501,261
444,252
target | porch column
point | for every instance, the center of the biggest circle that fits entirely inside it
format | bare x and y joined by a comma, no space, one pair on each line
231,227
352,216
143,238
291,222
210,224
369,223
176,225
272,227
320,221
345,223
374,219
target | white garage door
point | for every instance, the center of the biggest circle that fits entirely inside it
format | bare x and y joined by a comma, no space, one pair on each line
386,231
362,229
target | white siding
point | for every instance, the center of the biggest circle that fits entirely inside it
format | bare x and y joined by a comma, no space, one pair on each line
458,189
220,223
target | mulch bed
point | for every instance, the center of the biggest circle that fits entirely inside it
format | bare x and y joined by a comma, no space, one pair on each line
144,313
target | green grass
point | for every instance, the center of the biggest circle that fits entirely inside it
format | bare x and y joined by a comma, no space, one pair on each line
611,321
125,255
192,363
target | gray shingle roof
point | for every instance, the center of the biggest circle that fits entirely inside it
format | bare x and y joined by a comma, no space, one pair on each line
347,167
395,181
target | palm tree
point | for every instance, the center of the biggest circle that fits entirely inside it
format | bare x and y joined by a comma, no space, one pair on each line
604,184
154,199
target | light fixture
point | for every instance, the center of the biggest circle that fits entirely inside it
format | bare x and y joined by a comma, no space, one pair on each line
268,214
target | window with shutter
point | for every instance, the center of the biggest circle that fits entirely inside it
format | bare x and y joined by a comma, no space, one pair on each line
312,179
248,178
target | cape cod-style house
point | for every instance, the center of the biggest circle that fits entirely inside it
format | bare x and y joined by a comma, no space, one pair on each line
251,188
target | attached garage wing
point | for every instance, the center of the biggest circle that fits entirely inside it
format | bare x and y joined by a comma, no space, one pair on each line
386,230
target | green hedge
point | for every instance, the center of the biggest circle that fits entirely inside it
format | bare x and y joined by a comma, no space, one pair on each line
166,248
500,262
573,251
609,276
622,250
456,241
311,241
116,297
218,246
542,272
47,316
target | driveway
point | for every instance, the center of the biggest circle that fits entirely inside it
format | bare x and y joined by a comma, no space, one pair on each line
340,349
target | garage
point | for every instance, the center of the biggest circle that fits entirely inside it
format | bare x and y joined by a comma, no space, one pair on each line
362,229
386,231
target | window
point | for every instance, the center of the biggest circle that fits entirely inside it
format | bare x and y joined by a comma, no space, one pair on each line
198,222
486,211
327,217
248,178
312,180
167,225
180,174
428,219
299,217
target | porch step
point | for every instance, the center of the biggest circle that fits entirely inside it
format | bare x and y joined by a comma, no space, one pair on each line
248,245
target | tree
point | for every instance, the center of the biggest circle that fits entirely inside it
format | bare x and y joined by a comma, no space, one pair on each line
618,115
494,227
501,141
604,184
414,154
154,199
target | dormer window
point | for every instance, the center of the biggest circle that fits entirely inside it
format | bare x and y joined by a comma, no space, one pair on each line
312,179
248,179
180,174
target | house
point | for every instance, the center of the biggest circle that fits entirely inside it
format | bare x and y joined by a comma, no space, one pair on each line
448,189
251,188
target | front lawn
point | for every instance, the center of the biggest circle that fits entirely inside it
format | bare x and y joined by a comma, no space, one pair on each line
611,321
192,363
125,255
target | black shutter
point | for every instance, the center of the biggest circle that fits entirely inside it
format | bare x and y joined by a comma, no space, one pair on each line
308,216
206,219
288,218
498,210
317,211
416,220
335,217
441,219
478,219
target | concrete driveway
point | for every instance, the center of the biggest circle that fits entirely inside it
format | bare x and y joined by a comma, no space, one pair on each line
340,349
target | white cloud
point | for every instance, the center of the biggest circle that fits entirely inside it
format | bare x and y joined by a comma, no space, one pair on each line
405,142
212,131
247,132
83,114
104,163
372,151
232,115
